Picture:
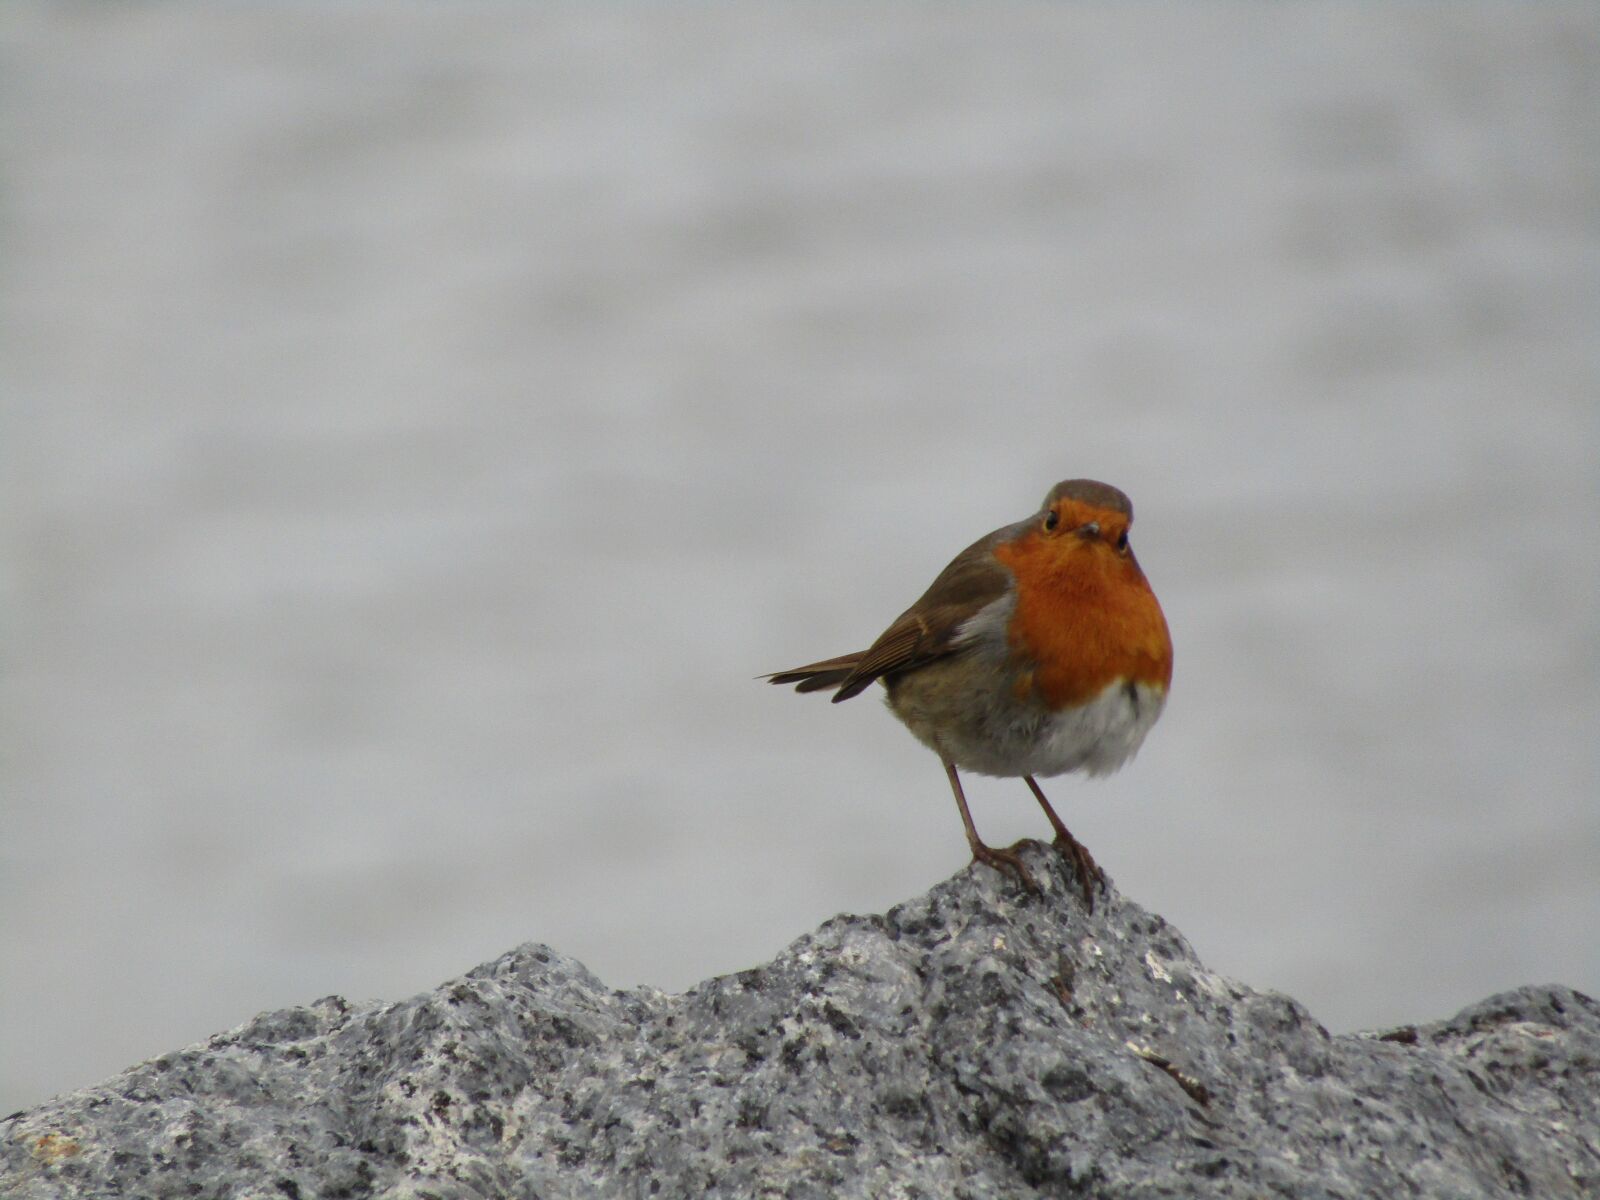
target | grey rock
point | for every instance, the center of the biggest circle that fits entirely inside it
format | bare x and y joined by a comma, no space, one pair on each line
979,1041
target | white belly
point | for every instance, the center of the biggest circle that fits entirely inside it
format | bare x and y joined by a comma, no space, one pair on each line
971,719
1098,737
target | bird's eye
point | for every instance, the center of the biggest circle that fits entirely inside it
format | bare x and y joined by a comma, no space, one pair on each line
1051,520
1122,542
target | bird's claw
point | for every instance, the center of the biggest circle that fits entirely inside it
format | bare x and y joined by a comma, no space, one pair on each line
1090,876
1007,862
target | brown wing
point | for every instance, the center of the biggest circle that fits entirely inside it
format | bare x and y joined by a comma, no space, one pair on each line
830,672
924,632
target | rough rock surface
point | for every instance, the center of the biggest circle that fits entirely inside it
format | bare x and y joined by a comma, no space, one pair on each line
976,1042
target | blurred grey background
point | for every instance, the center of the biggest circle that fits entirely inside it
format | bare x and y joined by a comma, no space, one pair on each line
422,424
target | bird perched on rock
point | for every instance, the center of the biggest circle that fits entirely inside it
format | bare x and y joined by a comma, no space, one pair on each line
1039,650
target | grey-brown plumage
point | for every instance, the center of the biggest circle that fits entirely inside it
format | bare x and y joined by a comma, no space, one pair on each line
921,634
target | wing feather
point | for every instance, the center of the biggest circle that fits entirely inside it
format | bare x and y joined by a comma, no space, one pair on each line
929,628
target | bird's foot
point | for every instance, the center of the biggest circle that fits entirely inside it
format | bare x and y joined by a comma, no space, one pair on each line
1090,877
1007,862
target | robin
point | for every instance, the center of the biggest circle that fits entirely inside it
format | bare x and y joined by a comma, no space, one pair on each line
1039,650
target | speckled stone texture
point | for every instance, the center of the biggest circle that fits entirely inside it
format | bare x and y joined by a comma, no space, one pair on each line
975,1042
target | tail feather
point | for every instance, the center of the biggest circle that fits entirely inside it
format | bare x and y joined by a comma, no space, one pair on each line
819,676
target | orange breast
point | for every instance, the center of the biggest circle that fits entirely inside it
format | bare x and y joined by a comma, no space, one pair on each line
1085,617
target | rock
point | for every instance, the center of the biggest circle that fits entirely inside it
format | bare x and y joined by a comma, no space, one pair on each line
976,1042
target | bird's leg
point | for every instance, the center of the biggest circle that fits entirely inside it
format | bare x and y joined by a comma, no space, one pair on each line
1090,876
1000,860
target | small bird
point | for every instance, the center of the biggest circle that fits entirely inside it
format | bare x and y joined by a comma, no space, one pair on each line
1039,650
